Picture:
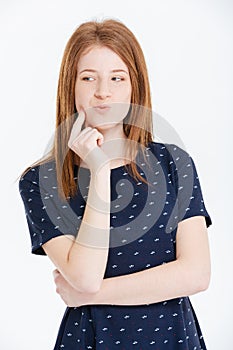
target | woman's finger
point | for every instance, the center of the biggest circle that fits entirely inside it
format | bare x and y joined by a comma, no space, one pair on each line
77,127
91,132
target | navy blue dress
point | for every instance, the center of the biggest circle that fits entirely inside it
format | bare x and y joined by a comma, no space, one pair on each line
142,235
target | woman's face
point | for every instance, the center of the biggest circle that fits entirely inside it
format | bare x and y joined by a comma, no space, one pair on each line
102,79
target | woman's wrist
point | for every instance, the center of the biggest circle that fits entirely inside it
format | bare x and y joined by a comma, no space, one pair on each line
101,171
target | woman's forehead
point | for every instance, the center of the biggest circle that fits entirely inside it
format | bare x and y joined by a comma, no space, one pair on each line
100,57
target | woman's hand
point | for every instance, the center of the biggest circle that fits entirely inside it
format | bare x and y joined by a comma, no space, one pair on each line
86,143
69,295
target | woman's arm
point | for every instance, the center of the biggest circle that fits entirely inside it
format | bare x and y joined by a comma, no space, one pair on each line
187,275
82,261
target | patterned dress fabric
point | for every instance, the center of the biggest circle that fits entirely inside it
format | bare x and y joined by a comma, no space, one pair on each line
143,226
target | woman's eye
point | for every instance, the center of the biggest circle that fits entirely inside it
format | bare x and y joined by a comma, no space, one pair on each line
87,78
117,78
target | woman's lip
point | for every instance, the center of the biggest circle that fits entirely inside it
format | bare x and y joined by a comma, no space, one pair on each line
101,109
102,106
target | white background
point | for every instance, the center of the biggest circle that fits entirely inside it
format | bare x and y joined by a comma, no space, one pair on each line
189,52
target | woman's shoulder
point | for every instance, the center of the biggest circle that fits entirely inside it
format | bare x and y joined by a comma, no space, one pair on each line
172,158
167,150
33,175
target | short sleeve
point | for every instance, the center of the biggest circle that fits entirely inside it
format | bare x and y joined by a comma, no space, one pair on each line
189,197
46,213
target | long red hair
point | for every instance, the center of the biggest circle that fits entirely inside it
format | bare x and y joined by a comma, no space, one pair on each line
116,36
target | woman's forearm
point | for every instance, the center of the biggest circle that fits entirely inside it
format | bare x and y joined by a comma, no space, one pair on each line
187,275
164,282
89,252
160,283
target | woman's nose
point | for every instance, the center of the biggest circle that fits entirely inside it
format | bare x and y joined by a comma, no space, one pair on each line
102,89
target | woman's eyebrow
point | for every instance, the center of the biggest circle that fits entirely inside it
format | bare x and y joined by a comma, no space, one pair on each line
94,71
119,70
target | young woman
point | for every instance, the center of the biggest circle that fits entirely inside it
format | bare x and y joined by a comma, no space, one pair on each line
121,216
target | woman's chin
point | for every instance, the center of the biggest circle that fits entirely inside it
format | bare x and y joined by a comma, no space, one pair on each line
105,126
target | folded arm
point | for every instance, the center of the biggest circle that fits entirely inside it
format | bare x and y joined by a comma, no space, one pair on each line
187,275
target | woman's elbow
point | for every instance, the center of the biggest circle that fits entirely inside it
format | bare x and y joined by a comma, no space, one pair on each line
201,281
86,285
204,282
